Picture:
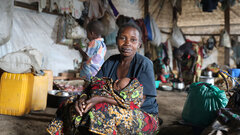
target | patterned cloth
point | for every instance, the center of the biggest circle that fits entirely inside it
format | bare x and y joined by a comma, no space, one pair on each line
96,51
104,118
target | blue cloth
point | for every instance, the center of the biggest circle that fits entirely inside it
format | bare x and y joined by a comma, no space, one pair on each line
142,69
148,26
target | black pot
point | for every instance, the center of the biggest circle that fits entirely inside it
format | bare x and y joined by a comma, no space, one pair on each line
54,100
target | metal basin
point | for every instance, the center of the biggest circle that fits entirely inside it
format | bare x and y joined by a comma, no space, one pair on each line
178,85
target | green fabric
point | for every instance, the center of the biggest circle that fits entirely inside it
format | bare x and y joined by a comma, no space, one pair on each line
202,103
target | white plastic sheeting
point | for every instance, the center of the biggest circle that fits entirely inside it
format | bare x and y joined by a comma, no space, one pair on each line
39,30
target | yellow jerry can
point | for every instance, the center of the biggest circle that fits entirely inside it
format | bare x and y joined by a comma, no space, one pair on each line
16,93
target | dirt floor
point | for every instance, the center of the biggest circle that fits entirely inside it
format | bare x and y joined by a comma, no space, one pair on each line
170,108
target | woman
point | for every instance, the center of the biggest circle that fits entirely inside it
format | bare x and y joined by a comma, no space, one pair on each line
189,62
114,118
166,73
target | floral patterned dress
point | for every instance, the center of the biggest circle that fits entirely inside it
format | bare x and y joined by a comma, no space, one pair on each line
104,118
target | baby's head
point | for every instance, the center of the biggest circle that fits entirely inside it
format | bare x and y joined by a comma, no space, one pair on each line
121,84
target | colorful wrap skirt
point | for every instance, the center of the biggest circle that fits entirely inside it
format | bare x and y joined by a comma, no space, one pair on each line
104,118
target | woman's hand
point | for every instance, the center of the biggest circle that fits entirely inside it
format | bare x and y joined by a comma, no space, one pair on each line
81,104
92,102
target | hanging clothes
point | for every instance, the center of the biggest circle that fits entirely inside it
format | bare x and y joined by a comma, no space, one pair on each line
141,24
96,9
209,5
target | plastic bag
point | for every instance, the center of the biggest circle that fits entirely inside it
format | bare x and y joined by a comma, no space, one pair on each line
61,34
225,39
74,30
203,101
156,34
177,38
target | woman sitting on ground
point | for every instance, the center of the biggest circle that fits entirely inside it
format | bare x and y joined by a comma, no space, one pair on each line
166,73
117,119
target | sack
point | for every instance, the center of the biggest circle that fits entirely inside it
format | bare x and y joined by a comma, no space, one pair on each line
202,104
225,39
22,61
177,38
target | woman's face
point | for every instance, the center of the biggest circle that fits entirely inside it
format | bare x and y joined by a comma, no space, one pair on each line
128,41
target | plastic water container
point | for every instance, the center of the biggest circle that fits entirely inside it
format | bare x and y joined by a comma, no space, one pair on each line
16,93
40,92
49,75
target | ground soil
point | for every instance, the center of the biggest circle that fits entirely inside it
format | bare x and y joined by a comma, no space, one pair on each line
170,108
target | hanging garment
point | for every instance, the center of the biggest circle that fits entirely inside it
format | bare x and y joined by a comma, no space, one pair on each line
209,5
41,5
115,11
77,9
109,23
147,22
96,9
140,23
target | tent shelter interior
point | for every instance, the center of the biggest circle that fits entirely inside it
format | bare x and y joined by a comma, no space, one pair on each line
38,30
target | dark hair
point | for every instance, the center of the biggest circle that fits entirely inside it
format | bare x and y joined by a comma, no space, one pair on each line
177,52
133,25
96,27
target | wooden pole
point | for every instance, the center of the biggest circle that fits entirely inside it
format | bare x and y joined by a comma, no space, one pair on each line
175,18
146,12
227,27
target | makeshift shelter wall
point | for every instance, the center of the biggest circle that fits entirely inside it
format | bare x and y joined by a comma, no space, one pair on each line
39,30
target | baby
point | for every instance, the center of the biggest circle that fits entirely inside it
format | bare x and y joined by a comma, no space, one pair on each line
119,85
124,91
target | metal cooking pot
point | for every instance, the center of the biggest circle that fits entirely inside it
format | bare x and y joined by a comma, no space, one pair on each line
207,79
207,73
178,85
56,97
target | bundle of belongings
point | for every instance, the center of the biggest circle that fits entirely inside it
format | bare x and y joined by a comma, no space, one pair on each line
203,102
26,60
